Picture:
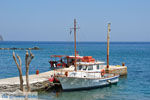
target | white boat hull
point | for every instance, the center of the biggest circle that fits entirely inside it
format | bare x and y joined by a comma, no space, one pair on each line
72,83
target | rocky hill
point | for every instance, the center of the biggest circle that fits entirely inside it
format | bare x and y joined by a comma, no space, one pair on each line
1,38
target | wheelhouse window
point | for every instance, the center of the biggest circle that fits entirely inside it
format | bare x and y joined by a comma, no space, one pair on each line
84,67
79,67
90,67
97,66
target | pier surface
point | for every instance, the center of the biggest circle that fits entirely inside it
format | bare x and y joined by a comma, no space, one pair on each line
37,82
32,78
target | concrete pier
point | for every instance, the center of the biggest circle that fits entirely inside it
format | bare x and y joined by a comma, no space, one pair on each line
37,82
121,70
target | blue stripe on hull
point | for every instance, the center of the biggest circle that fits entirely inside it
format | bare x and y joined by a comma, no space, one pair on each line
88,88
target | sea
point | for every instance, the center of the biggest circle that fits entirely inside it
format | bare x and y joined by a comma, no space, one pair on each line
135,55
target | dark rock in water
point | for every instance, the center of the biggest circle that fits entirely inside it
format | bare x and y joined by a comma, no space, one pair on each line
1,48
1,38
14,48
34,48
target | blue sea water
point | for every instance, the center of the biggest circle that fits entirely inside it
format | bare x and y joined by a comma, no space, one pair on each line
136,55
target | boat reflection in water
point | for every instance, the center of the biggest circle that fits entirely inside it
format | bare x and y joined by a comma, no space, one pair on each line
94,94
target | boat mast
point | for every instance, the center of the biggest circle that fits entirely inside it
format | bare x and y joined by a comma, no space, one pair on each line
108,37
75,63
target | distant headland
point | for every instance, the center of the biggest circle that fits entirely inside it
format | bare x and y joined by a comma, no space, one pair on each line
1,38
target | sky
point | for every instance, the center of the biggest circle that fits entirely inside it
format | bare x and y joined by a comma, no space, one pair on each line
51,20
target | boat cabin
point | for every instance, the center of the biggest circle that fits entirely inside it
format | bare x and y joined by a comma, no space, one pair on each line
83,62
90,66
59,61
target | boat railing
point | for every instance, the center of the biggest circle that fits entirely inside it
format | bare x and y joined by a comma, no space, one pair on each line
83,74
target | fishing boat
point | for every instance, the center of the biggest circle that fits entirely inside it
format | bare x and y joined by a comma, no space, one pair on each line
89,75
86,74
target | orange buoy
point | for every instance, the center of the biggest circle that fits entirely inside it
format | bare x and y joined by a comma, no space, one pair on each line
102,72
123,64
37,72
59,64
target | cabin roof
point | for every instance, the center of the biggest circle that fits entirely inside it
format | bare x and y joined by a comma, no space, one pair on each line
67,56
58,56
78,57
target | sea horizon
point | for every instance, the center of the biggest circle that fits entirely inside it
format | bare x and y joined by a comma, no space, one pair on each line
80,41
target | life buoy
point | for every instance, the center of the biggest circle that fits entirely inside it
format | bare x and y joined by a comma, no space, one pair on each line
102,72
66,73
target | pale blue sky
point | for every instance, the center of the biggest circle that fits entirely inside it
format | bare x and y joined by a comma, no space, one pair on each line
50,20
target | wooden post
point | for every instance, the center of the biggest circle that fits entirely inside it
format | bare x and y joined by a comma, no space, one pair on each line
108,45
28,59
75,64
19,69
75,51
